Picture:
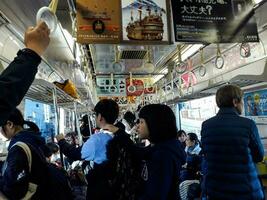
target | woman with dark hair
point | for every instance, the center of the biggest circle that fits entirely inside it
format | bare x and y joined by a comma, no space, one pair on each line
164,157
190,174
16,173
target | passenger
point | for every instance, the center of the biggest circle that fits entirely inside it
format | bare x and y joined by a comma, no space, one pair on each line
95,149
128,121
85,128
181,136
190,174
16,177
193,158
18,76
231,145
165,155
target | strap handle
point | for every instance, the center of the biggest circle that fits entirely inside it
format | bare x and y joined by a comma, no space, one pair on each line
27,150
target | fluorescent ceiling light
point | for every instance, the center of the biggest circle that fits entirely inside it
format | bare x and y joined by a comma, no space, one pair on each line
257,1
189,51
158,77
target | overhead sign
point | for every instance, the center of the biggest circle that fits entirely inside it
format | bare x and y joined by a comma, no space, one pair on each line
214,21
105,87
98,21
139,86
145,21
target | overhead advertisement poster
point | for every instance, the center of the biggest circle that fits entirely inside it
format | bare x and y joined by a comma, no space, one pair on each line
214,21
98,21
144,21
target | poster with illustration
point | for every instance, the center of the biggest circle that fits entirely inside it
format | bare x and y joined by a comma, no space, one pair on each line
144,20
255,106
255,103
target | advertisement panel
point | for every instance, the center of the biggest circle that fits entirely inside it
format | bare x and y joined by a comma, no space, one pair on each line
255,106
98,21
211,21
145,21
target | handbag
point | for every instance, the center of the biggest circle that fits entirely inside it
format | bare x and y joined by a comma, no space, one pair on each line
32,187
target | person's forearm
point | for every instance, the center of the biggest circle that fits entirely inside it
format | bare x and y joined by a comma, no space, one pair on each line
16,80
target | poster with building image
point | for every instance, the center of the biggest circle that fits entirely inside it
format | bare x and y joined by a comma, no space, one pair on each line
213,21
145,20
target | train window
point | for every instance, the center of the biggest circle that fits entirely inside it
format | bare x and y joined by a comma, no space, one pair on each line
43,115
194,112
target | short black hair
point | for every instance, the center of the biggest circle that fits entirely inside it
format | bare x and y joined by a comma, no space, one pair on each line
161,122
180,133
226,94
193,137
130,118
108,109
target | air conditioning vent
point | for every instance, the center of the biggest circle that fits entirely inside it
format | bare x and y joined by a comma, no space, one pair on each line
133,54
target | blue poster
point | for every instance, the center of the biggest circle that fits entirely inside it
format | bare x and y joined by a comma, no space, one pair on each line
255,103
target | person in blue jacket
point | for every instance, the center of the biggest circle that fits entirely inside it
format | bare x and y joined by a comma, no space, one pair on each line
231,146
164,157
16,79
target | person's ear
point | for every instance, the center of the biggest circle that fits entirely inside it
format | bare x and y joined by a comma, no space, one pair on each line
10,124
235,102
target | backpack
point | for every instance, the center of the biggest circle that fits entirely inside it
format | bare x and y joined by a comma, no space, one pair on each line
56,184
126,170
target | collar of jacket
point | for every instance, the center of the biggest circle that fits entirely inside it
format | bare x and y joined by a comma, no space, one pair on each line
228,110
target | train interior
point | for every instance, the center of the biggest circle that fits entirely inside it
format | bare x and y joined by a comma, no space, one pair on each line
73,76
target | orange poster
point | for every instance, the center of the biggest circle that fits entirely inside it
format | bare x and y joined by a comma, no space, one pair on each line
98,21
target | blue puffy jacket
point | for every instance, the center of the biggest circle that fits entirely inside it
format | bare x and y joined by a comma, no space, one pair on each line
232,146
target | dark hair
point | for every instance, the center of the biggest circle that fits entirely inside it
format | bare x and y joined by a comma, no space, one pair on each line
17,118
54,148
160,121
32,127
193,137
226,94
120,125
130,118
180,133
108,109
84,119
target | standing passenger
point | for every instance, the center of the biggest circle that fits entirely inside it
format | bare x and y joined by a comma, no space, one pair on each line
16,79
166,155
231,145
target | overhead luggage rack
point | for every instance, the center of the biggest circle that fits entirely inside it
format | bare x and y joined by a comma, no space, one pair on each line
42,91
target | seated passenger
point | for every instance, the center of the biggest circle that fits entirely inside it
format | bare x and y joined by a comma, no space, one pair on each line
190,174
192,166
181,136
164,157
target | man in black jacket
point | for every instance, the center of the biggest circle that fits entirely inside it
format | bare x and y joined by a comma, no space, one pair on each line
19,75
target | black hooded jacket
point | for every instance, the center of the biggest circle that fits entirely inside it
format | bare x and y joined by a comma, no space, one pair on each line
15,81
161,171
16,176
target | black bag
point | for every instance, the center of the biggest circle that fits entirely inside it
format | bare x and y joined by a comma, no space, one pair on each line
56,184
127,176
